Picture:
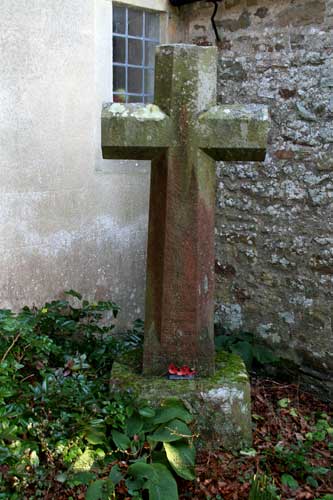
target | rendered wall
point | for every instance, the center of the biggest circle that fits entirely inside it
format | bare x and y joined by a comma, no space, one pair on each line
274,228
65,220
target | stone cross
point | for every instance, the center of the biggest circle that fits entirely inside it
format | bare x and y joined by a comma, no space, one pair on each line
183,134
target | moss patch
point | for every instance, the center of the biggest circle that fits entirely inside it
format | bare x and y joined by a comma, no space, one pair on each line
220,404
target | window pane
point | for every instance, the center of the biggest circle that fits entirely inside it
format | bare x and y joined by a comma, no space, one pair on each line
149,99
119,98
135,80
119,19
135,22
152,23
135,52
119,49
119,80
150,53
135,98
149,81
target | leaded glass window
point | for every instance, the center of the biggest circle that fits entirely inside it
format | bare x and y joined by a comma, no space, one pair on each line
136,33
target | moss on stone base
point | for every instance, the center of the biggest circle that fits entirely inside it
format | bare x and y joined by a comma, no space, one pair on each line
221,404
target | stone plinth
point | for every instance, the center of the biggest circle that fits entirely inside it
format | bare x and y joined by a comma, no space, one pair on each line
220,404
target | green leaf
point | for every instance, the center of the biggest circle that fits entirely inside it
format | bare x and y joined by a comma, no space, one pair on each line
290,481
171,431
143,470
311,481
100,490
264,355
121,440
181,457
84,477
134,425
61,477
95,436
115,474
85,461
320,471
160,483
284,403
34,459
248,452
172,409
244,350
73,293
147,412
134,485
223,341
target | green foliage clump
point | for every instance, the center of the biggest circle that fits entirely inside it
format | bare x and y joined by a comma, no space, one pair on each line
156,442
246,346
58,422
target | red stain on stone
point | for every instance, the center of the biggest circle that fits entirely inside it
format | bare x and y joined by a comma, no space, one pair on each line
181,303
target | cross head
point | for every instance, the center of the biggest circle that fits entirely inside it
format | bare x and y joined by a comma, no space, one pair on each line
183,133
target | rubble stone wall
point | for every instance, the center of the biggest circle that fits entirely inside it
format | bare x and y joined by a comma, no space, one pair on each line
274,225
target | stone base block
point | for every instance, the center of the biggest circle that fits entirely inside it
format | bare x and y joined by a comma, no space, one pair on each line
220,404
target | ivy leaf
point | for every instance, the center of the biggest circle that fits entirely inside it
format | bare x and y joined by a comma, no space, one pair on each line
85,461
84,477
284,403
181,457
290,481
311,481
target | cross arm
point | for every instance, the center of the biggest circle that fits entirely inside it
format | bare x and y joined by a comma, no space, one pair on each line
234,133
134,131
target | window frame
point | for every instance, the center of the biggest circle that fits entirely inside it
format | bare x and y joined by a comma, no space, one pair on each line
132,96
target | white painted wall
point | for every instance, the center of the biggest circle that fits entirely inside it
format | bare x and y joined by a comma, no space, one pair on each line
67,218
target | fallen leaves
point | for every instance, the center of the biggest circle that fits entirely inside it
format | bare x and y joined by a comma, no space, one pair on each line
282,418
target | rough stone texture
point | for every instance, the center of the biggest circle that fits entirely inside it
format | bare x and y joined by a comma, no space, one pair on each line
221,405
274,230
183,135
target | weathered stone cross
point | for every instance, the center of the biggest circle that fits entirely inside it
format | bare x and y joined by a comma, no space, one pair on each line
183,134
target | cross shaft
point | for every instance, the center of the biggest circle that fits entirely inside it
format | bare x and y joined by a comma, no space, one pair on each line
183,134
